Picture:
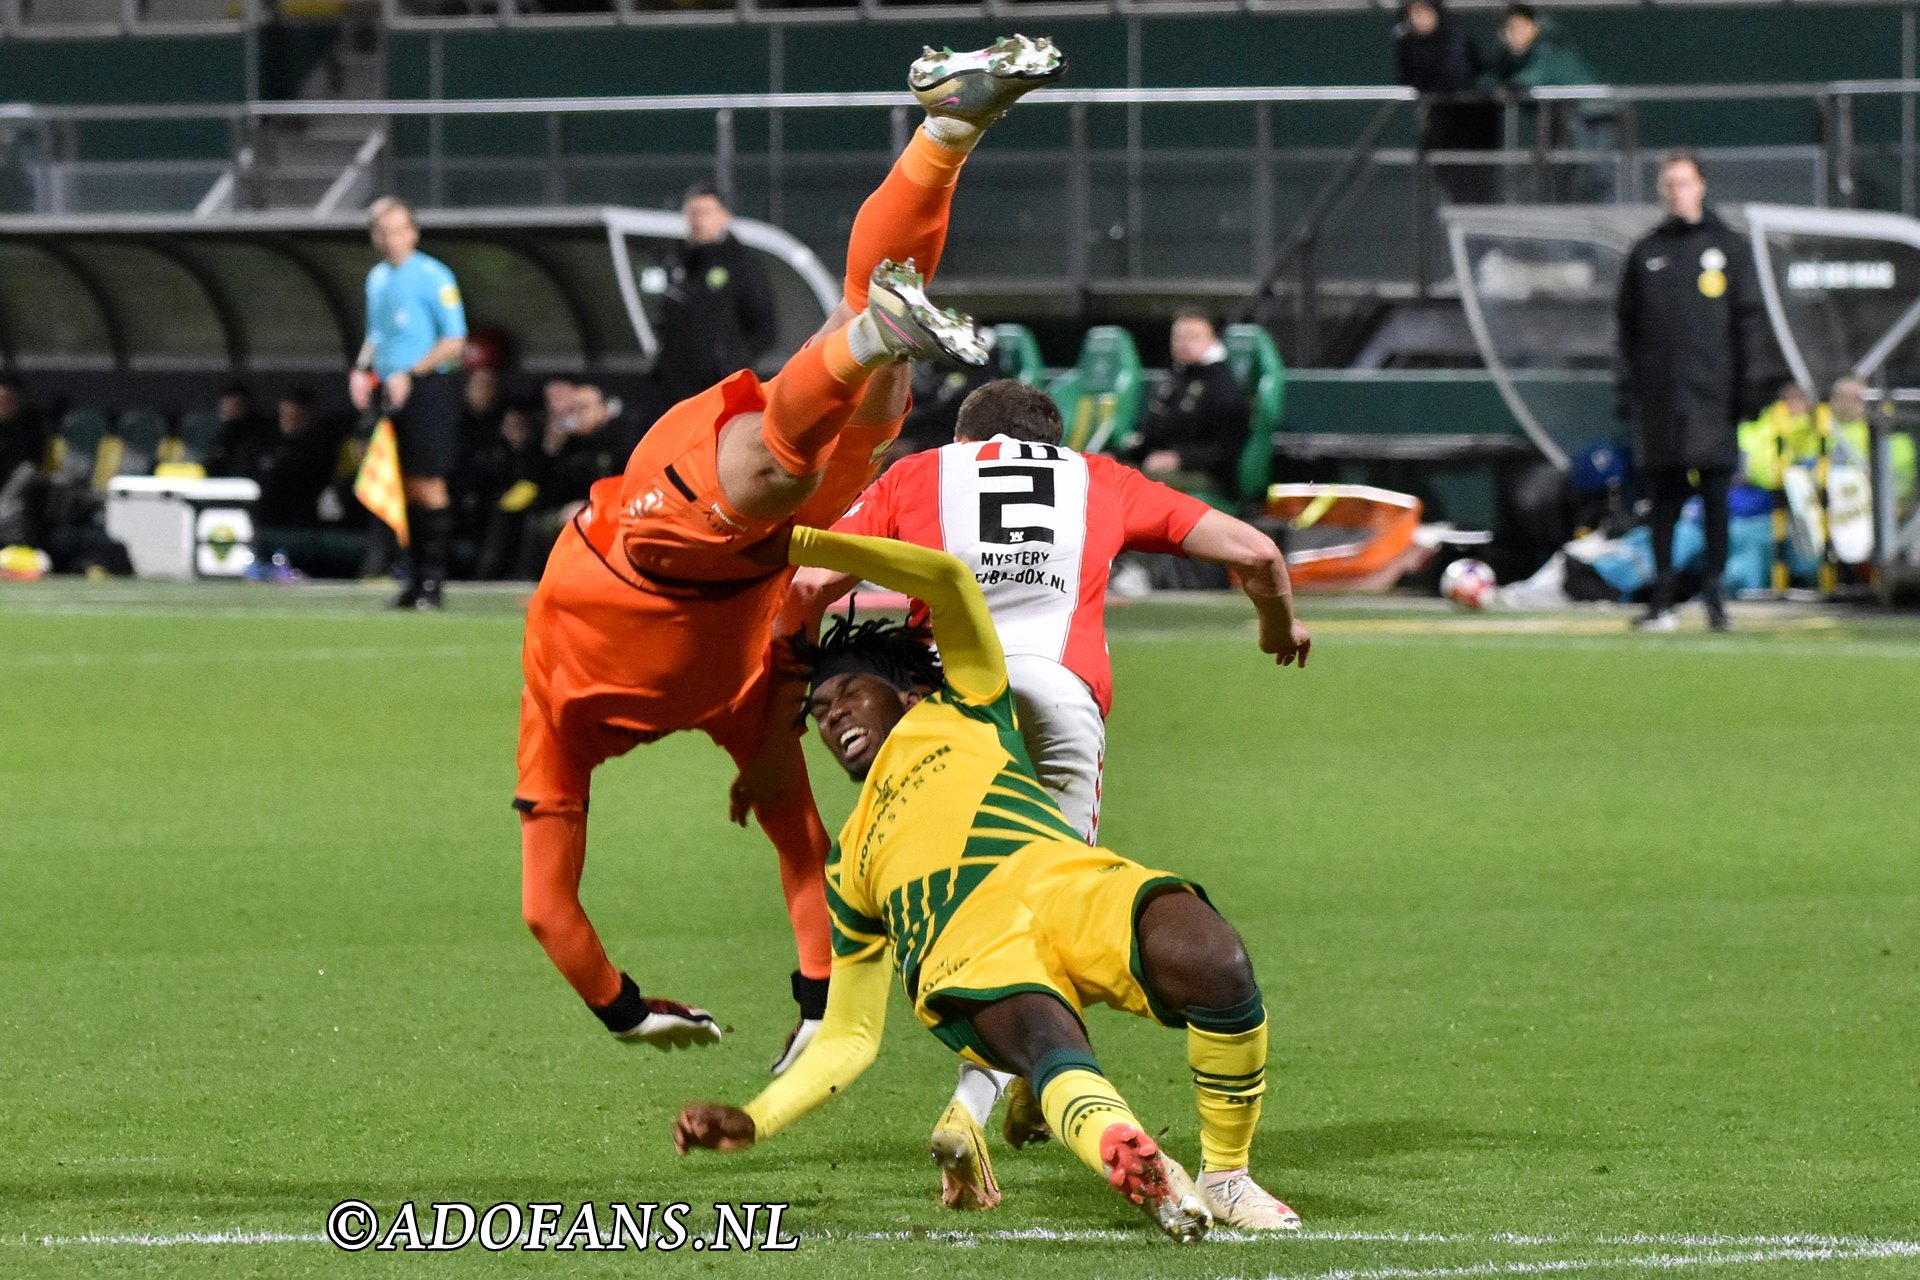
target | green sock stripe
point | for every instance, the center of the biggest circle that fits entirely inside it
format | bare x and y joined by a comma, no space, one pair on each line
1080,1106
1229,1077
1233,1091
1056,1061
1231,1021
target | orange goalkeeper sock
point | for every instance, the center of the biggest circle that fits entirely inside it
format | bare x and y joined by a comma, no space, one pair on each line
906,217
810,401
793,825
553,851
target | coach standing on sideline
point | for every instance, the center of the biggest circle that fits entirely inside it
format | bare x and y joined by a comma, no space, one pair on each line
719,313
1692,331
416,334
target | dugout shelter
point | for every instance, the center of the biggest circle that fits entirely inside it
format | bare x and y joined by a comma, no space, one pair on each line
576,288
1842,293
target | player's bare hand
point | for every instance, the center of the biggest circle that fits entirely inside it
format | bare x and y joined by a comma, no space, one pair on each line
1287,647
399,387
713,1125
360,388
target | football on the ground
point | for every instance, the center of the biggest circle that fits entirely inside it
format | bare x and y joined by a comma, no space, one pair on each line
1468,583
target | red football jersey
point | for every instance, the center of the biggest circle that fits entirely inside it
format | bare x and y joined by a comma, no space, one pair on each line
1039,525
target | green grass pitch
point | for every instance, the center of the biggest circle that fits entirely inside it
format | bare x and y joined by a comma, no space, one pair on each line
1586,953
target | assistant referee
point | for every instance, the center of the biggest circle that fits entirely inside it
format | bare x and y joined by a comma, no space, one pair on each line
416,334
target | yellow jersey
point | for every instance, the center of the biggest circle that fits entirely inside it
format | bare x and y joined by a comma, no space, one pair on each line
950,796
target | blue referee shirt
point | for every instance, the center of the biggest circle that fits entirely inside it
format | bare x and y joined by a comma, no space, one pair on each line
409,308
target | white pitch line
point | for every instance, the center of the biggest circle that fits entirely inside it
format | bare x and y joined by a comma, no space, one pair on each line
1633,644
166,658
1642,1262
189,1237
1229,1236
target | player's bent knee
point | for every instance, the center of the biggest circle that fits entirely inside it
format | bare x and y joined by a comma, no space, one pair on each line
1190,954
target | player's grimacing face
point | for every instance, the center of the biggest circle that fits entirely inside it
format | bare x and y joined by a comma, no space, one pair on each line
855,713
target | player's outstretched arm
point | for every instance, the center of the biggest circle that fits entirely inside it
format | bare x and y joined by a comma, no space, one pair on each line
1220,538
848,1042
970,650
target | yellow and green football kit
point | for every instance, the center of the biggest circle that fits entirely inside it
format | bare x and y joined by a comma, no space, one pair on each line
955,862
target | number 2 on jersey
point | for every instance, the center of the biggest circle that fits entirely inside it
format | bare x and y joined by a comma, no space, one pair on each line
994,503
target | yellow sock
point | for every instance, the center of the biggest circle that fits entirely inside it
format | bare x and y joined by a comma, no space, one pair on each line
1229,1077
1079,1103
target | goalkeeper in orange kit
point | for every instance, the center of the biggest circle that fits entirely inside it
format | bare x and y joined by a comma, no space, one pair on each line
655,612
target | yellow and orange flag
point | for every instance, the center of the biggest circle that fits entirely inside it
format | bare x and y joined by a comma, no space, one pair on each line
378,483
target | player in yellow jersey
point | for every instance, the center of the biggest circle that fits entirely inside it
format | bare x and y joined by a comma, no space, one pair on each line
1002,922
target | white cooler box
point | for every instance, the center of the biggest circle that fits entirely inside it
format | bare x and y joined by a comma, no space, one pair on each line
183,528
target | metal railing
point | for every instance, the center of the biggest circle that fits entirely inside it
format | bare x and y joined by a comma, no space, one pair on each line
1092,208
69,19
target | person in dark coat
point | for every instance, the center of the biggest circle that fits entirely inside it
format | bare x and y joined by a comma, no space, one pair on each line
718,314
1433,54
1692,347
245,438
1195,427
23,452
303,460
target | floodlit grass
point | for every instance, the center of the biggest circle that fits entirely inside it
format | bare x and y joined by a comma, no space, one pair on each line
1568,936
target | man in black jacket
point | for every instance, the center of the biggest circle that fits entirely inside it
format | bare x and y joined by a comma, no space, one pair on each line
1433,53
1691,346
23,452
718,315
1195,428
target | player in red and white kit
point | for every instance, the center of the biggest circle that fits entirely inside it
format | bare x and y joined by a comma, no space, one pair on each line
1040,525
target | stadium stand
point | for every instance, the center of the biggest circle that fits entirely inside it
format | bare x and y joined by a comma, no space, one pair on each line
1256,362
1017,354
1101,395
1251,157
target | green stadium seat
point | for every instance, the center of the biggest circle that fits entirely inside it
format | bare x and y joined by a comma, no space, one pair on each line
1101,396
1256,362
140,432
77,448
1017,355
193,439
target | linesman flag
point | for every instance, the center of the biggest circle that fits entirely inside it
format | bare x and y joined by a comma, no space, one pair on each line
378,483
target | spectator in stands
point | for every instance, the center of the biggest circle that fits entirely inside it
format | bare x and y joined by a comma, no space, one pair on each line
503,482
1847,407
586,443
1692,335
1532,56
938,393
557,402
482,406
1780,435
23,453
1196,425
245,436
304,460
718,314
1433,53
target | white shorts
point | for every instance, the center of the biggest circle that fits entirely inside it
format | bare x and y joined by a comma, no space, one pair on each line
1064,734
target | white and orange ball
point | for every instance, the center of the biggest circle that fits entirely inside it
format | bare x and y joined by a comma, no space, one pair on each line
1468,583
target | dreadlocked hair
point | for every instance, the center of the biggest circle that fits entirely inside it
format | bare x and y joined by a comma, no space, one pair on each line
895,651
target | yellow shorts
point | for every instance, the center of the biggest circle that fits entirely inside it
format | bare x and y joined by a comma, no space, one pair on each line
1056,917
